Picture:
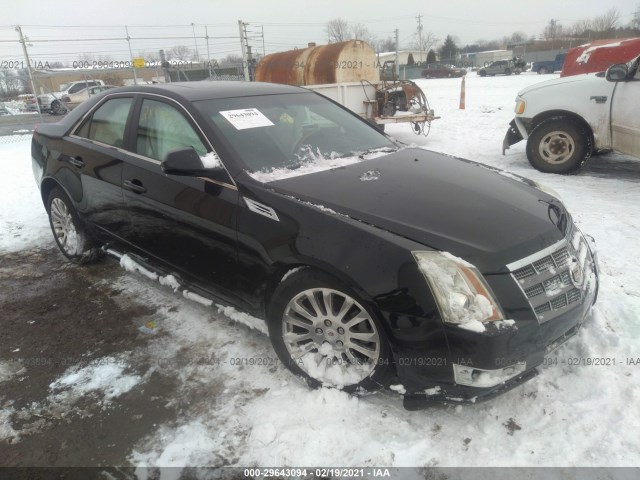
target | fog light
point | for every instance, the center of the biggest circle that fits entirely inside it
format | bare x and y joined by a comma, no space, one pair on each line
476,377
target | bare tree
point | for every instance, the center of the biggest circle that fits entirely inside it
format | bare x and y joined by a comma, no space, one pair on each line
387,45
180,52
581,27
338,30
360,32
231,59
635,21
607,21
428,41
518,37
552,31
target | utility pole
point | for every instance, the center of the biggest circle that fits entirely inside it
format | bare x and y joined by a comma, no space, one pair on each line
243,43
26,59
195,42
206,36
420,35
135,78
165,67
263,51
397,63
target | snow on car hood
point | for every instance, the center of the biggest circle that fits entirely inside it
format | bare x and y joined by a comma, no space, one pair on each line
442,202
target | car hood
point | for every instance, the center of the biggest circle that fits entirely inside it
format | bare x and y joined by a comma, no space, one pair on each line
441,202
575,79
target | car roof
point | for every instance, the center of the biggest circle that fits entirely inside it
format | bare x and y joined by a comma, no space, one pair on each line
205,90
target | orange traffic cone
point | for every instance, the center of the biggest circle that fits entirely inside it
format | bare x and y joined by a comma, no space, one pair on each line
462,94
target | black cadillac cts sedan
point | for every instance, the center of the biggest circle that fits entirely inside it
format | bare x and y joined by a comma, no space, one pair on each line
374,264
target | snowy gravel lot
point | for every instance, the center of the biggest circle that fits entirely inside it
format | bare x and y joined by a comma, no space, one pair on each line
227,411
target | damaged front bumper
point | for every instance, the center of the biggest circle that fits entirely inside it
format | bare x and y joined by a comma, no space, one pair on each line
512,137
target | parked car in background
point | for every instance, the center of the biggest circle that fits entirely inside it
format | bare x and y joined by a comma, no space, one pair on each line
567,119
442,70
549,66
266,197
500,67
72,100
52,102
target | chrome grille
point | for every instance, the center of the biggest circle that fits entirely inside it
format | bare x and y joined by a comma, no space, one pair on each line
524,272
545,277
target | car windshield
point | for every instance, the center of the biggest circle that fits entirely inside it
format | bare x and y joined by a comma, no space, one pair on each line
280,136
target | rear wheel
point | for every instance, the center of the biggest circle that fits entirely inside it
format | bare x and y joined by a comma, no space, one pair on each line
482,73
68,230
507,71
322,331
543,71
558,145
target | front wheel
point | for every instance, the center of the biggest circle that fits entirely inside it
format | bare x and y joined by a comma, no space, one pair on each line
558,145
482,73
68,230
323,332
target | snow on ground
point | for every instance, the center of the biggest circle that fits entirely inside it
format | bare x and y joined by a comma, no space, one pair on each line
243,408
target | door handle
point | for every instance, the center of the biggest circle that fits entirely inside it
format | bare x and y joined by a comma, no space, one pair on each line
77,161
135,186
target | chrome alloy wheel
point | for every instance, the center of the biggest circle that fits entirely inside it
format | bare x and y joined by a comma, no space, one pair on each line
331,336
556,147
63,227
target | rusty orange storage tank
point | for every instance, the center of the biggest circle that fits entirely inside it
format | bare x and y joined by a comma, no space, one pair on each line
343,62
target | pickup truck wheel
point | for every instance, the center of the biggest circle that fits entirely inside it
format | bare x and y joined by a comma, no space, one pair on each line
542,71
558,145
323,332
68,230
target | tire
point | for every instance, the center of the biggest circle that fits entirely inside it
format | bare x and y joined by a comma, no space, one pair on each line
448,75
68,230
57,108
482,73
507,71
309,318
558,145
542,71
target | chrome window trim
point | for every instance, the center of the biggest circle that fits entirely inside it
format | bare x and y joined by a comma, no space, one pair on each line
134,95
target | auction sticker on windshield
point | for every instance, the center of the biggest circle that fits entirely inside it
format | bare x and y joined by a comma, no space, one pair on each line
246,118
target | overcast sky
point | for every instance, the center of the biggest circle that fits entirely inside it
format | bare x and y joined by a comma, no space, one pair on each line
287,24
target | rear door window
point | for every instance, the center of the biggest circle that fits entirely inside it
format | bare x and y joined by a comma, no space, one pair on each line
108,122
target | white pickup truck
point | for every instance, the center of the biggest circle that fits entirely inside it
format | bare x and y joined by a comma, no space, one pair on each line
565,120
54,103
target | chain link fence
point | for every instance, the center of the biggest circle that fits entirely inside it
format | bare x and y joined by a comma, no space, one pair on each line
45,71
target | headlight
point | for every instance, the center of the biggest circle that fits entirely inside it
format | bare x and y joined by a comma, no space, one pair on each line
462,294
520,106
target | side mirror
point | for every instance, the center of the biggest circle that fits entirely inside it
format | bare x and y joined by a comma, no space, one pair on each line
617,73
187,162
